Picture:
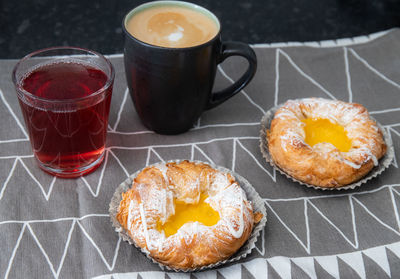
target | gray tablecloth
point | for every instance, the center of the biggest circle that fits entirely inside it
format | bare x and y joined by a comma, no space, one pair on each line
57,228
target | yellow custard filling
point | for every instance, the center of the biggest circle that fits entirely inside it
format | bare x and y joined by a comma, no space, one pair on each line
322,130
201,212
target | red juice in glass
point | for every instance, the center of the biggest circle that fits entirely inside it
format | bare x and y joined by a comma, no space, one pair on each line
66,115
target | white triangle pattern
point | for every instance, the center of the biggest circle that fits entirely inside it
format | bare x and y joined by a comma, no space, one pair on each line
306,245
355,261
152,275
352,242
232,272
124,276
132,275
395,248
307,265
352,198
17,121
282,266
378,255
179,275
75,222
258,268
209,274
280,52
53,269
329,264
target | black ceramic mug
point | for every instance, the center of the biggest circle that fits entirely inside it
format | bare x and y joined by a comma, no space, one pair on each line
171,87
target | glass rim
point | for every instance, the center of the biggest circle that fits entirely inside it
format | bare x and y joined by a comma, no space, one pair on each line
18,85
186,4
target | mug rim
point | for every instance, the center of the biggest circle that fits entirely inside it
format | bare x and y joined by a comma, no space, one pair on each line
104,88
166,3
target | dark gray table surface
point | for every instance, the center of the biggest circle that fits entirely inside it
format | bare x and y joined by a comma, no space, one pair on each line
29,25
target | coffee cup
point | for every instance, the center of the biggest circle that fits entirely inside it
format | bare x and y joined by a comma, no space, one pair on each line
171,53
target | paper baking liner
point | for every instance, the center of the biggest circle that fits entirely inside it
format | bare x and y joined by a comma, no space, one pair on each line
383,163
252,195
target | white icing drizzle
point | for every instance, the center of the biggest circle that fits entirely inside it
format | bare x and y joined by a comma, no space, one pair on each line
374,159
345,114
347,162
170,197
197,186
144,223
154,239
351,164
130,215
163,205
291,137
161,241
237,233
370,155
157,203
229,198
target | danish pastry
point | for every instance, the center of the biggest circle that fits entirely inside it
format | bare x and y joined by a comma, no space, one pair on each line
186,215
326,143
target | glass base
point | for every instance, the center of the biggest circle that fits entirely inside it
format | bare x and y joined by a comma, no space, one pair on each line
72,173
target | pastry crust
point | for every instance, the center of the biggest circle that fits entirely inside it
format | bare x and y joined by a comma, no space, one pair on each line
151,200
323,164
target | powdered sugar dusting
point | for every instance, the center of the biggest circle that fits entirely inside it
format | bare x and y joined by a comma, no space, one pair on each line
220,182
188,230
231,198
354,118
194,188
163,168
292,137
157,205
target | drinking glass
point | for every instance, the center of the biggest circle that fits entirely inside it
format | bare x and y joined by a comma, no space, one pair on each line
65,94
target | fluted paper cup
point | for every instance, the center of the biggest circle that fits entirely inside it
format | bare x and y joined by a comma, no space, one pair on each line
383,163
252,196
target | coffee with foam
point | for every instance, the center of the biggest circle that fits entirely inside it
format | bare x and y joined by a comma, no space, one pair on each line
172,26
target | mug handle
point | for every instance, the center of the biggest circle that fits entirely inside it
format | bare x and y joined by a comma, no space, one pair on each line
232,49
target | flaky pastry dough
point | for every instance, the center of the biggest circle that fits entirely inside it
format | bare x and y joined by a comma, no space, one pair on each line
151,200
323,164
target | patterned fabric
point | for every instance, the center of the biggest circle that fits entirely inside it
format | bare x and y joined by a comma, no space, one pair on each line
57,228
